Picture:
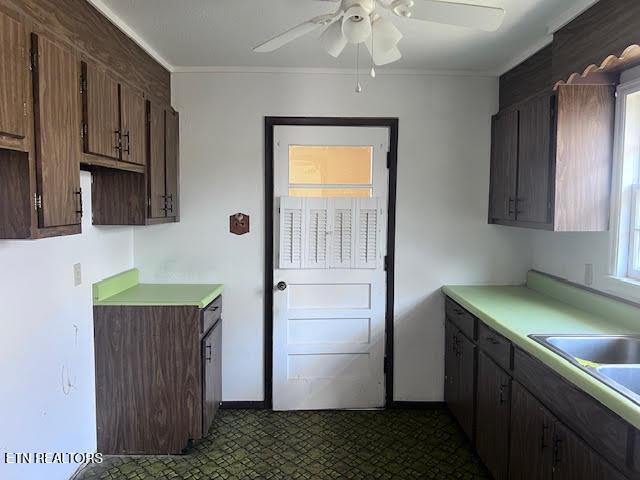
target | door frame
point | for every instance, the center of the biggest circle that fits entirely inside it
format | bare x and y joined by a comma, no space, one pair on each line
392,164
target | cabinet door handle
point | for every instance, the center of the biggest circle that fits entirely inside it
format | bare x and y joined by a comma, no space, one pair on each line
209,352
510,210
78,193
127,149
118,135
543,443
557,444
502,398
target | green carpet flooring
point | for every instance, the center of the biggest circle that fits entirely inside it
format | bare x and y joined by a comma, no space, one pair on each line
260,444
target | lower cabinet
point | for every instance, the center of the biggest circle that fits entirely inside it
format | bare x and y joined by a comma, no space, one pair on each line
523,419
460,377
531,437
494,415
158,373
211,375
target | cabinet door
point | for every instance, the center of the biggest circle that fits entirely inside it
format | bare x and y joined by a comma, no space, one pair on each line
534,160
172,145
134,131
451,369
493,417
211,387
531,437
574,460
504,164
56,83
101,111
13,78
466,384
156,161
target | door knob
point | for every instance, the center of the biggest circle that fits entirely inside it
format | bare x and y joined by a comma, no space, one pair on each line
281,286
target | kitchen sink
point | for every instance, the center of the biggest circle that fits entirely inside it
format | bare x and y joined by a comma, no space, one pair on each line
598,349
612,359
628,376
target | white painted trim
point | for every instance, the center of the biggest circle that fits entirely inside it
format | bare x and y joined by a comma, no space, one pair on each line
574,12
127,30
330,71
623,287
522,56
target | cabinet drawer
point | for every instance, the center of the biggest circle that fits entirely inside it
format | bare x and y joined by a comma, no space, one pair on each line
211,315
461,318
498,347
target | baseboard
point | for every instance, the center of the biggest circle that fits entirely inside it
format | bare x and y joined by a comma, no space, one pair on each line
243,405
408,405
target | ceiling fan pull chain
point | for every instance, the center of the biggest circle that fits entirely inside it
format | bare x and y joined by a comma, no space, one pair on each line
372,72
358,86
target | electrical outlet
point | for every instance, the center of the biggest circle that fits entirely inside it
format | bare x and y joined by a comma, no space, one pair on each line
77,274
588,274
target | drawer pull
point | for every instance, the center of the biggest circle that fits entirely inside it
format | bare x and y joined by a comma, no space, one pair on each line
459,311
214,308
208,355
502,398
492,340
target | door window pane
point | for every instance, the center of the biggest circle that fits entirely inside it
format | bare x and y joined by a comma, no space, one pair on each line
330,165
330,192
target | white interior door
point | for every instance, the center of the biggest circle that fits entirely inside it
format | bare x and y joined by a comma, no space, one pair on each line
331,189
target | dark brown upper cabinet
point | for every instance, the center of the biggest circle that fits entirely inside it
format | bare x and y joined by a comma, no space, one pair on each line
134,132
504,164
551,160
15,83
56,113
156,172
101,112
172,153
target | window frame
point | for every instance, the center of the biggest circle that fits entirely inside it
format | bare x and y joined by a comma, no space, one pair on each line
624,279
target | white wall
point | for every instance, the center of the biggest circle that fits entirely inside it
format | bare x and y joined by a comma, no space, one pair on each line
47,340
443,182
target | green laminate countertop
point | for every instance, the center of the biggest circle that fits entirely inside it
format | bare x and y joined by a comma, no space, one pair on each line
545,306
125,289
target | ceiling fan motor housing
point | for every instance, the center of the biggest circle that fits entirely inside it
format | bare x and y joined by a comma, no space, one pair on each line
356,22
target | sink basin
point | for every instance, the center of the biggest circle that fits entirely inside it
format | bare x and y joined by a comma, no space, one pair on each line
612,359
612,350
625,375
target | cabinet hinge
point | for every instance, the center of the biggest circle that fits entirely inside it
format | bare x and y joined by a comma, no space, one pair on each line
83,84
83,129
22,52
388,160
34,60
24,109
385,365
37,201
386,263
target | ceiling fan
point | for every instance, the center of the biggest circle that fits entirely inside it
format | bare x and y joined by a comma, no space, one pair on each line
364,21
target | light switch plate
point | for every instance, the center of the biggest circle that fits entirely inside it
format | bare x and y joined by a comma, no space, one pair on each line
77,274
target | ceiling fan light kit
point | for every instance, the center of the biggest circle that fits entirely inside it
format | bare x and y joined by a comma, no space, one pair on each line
359,21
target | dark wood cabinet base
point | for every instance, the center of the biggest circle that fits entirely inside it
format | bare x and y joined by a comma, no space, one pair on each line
157,378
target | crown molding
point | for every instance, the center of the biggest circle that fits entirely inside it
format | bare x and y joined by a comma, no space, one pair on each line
569,15
380,71
522,56
130,32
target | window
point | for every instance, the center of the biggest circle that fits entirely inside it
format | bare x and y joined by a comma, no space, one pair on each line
626,198
330,171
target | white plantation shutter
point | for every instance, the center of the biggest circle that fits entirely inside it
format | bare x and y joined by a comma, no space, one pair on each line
291,214
316,213
368,235
343,212
321,233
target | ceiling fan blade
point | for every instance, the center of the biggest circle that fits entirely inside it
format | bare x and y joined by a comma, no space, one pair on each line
294,33
333,40
459,14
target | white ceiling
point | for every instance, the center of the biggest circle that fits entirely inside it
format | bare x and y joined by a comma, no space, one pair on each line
222,33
